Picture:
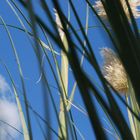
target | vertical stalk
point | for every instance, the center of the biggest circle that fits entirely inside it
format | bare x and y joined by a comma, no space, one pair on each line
63,77
130,117
64,86
22,119
134,105
21,114
81,62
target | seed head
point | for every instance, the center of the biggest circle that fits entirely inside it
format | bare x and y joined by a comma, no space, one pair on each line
134,4
114,71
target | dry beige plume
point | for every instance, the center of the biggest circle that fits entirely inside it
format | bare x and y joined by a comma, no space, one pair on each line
134,4
114,71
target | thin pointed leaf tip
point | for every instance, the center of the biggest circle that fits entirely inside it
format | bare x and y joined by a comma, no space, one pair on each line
134,4
114,71
59,25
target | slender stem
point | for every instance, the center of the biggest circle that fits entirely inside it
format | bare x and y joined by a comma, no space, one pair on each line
133,103
130,117
64,85
63,77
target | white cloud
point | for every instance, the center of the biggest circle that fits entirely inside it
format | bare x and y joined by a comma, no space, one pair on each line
9,115
4,87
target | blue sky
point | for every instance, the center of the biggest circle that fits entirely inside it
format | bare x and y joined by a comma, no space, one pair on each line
31,72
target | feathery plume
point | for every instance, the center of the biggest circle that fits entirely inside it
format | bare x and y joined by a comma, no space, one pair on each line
134,4
114,71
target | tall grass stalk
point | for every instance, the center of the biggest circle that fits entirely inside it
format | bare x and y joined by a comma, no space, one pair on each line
22,118
64,86
82,58
131,121
134,123
21,114
127,49
21,77
63,79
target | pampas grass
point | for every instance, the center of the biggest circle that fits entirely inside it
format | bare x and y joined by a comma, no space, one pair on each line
59,43
114,71
134,4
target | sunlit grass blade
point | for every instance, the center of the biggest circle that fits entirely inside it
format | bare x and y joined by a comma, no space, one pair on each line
41,42
39,54
30,34
32,17
135,107
45,28
131,121
122,29
63,79
21,76
82,59
82,88
21,114
113,110
24,28
64,85
110,97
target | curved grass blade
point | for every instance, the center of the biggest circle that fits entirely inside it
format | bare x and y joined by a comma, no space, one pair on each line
51,34
82,59
111,100
63,80
22,118
58,72
122,29
21,76
83,86
41,42
24,28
